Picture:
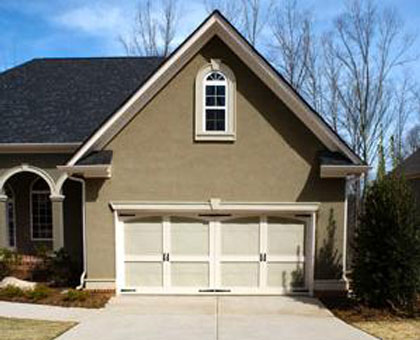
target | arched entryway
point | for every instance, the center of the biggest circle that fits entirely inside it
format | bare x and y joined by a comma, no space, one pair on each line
39,215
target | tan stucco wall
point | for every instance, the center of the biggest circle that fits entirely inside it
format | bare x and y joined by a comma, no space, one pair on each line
155,158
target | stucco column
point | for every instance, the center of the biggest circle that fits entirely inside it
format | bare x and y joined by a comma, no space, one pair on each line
4,232
58,222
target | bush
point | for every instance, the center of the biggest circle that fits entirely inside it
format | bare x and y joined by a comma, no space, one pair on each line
38,293
73,295
62,269
8,259
386,264
10,292
56,268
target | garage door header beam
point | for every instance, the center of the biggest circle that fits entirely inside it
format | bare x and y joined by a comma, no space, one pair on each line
213,205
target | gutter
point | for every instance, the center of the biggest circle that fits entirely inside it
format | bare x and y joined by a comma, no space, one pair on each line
87,171
64,148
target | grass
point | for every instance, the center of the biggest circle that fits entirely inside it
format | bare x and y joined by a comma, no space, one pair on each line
382,323
399,329
57,297
24,329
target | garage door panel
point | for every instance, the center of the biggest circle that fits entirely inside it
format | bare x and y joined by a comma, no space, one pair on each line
189,237
190,274
240,274
144,274
285,239
285,275
240,237
144,237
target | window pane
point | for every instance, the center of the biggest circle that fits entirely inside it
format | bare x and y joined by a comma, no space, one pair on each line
210,101
220,101
210,90
220,90
215,120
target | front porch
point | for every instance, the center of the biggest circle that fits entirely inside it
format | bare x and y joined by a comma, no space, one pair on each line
39,214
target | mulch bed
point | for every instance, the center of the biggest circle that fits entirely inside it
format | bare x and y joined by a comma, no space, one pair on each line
91,299
351,311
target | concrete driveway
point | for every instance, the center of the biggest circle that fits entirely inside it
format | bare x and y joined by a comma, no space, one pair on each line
211,318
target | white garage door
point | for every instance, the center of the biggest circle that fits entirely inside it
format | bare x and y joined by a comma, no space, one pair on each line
253,255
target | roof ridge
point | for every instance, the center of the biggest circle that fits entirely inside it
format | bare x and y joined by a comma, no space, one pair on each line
93,58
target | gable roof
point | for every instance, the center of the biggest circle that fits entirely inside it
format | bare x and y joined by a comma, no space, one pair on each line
61,101
410,167
216,25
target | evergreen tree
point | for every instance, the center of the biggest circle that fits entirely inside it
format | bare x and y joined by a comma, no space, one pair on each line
386,268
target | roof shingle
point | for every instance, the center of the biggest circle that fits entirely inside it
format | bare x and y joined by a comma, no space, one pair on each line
65,100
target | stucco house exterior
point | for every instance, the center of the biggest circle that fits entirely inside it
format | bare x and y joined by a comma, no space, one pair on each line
410,169
200,173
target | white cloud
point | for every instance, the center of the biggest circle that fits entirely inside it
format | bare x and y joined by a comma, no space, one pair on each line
96,20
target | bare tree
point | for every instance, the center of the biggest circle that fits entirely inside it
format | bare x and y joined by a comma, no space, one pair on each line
412,140
154,29
404,106
291,48
368,46
230,9
254,16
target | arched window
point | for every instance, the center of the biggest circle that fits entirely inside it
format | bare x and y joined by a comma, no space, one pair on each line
41,210
215,110
215,107
10,215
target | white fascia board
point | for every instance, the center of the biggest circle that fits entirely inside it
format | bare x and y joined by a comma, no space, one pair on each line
38,147
87,171
339,171
214,207
215,26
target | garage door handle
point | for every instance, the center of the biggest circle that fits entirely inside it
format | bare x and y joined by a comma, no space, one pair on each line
164,257
265,257
261,258
167,256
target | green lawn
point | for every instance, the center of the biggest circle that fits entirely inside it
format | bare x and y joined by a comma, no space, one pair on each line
23,329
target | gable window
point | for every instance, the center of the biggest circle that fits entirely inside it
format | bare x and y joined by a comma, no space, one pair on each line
41,211
10,216
215,114
215,102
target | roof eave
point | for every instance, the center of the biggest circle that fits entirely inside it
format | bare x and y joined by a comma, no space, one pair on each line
342,171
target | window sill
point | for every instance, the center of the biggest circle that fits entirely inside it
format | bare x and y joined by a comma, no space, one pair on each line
215,137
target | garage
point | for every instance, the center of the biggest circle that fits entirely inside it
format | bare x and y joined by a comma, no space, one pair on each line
207,253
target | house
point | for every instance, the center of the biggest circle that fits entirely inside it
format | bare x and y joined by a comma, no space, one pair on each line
410,169
200,173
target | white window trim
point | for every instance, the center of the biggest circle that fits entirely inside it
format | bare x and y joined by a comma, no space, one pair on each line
13,201
31,211
201,134
225,107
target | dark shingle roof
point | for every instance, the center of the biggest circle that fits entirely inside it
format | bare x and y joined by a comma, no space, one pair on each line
411,165
103,157
66,100
333,158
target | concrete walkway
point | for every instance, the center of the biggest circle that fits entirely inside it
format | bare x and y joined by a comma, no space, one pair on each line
204,318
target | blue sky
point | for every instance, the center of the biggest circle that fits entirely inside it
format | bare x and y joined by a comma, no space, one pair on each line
74,28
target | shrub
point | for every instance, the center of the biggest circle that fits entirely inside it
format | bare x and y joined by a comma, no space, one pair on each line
73,295
8,259
10,292
386,264
62,269
38,293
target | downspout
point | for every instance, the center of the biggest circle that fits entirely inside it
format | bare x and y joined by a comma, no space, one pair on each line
345,233
83,276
